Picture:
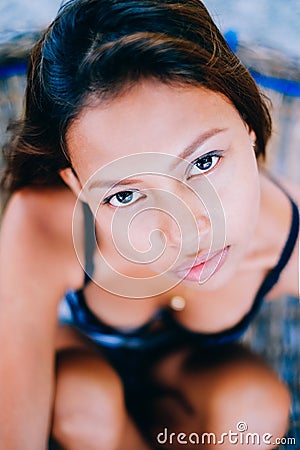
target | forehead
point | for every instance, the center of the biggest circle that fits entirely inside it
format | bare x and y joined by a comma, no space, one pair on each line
151,117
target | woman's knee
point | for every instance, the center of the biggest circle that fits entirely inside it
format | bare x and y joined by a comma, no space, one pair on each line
249,400
89,410
228,388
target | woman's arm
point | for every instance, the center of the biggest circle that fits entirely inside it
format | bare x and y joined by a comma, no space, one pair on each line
33,276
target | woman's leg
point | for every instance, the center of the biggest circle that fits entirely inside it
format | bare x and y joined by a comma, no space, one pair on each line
89,409
216,390
224,390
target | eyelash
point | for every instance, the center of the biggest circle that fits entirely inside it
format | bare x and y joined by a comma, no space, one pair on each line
213,154
108,200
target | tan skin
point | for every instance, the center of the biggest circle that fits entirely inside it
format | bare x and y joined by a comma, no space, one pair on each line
37,250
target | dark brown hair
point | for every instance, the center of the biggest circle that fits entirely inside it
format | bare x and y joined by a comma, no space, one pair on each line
98,48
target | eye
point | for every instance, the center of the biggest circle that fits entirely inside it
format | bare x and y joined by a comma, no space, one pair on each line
123,198
204,164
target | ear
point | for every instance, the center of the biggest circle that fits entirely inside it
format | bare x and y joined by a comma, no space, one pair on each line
71,180
252,137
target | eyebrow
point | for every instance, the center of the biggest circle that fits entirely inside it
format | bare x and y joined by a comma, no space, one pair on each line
112,183
190,149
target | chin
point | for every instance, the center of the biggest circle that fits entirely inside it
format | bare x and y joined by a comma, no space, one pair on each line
214,281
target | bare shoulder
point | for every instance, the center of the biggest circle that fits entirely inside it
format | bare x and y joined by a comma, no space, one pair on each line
37,230
289,280
48,209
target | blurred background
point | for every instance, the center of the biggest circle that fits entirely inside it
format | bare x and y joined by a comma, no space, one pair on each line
265,34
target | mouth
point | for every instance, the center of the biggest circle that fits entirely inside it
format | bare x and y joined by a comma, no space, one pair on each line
203,266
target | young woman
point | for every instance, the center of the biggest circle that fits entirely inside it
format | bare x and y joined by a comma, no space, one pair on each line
164,254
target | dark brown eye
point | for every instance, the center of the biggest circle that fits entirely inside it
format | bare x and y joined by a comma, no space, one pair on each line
204,164
123,198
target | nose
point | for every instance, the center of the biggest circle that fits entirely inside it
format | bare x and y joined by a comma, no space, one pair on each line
184,221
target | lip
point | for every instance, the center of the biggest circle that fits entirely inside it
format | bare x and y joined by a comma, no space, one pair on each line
203,266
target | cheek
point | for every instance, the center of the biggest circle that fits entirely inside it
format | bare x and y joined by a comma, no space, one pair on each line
241,205
134,237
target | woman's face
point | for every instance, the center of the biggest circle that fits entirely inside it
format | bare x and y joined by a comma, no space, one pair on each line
171,176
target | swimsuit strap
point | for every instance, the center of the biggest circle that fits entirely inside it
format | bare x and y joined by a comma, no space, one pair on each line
270,280
286,253
274,274
89,242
